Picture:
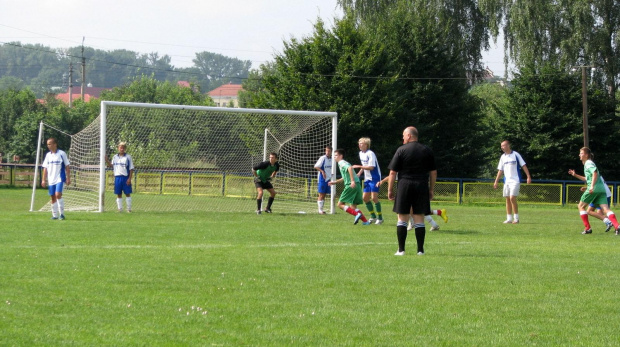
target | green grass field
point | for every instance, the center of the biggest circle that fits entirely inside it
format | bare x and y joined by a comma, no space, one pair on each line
229,279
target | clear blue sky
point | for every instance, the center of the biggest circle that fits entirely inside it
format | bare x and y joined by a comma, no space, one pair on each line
245,29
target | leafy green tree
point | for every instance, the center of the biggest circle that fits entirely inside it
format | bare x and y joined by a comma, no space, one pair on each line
380,78
544,121
564,33
494,101
13,104
217,69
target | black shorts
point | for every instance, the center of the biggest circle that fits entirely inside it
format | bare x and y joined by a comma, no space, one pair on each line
412,195
265,185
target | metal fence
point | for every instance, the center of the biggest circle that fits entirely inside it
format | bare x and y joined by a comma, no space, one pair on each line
448,190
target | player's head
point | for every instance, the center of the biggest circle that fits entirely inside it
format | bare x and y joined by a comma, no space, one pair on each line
364,143
328,151
52,144
585,153
339,154
505,145
410,134
273,157
122,147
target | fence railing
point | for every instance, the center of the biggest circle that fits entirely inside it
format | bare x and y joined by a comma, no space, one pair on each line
448,190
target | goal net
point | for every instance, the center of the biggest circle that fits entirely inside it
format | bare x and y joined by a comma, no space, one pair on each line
198,158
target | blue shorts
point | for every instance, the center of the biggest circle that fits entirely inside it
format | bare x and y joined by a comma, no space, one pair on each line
121,186
56,188
370,187
323,187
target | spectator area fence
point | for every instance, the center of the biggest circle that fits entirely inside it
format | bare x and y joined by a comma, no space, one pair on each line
447,190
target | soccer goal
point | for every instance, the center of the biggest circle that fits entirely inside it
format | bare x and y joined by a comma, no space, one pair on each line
198,158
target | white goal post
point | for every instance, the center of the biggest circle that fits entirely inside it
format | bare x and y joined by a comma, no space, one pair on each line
199,158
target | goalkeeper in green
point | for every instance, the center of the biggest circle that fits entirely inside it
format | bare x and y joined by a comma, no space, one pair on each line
263,173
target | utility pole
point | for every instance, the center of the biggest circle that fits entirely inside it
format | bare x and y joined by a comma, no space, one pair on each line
584,105
83,70
70,84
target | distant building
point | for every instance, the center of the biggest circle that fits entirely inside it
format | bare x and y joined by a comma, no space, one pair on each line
89,93
223,95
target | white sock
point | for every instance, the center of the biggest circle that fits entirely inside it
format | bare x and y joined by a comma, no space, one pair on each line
516,216
321,203
430,220
509,217
606,221
119,203
128,201
55,209
61,205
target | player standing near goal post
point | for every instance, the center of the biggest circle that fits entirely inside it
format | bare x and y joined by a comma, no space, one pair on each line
372,175
56,173
263,173
324,167
123,171
509,164
352,192
417,173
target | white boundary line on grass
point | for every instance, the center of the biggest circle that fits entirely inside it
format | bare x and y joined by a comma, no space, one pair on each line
210,246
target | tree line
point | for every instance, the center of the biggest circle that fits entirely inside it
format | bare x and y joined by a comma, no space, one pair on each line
44,69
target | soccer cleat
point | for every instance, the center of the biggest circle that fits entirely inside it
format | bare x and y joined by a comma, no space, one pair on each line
268,210
54,217
366,223
257,211
587,231
508,221
399,253
357,218
609,226
321,212
420,253
435,228
371,220
444,215
516,221
618,231
379,221
62,217
128,211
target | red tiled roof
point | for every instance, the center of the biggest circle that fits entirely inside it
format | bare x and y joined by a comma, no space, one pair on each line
89,93
226,90
183,84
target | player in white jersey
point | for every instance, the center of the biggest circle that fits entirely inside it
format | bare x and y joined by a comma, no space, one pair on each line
372,176
56,174
324,168
123,172
509,165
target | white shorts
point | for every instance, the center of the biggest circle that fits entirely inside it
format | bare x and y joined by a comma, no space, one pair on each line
511,189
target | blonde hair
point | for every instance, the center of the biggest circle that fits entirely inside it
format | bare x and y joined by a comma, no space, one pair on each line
365,140
124,144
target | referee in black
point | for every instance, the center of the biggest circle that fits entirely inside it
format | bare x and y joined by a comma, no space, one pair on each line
415,165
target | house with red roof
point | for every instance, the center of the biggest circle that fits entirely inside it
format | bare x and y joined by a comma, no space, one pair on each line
225,94
76,93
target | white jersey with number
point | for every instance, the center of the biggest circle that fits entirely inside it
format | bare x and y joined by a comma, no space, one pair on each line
369,158
122,165
324,163
510,164
55,163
